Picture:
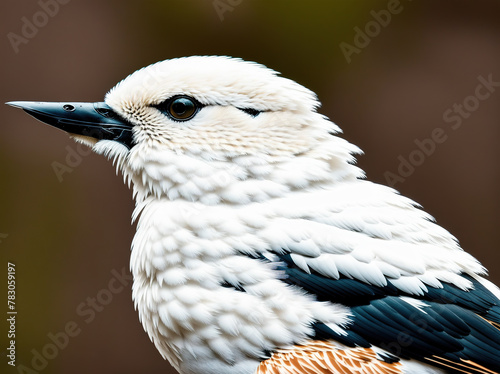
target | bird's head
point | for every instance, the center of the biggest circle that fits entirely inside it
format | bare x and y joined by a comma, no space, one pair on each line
197,127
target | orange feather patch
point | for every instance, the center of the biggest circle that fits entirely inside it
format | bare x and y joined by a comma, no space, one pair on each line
319,357
496,324
464,366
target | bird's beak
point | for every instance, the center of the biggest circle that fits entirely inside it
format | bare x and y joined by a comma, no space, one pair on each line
95,120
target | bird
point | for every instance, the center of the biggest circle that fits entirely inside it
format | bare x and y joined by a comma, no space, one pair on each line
260,246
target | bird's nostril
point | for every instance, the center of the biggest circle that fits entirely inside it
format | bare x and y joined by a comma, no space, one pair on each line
68,107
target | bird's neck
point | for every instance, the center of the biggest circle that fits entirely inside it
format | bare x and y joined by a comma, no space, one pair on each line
238,179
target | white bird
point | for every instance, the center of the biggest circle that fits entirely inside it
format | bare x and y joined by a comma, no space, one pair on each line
261,249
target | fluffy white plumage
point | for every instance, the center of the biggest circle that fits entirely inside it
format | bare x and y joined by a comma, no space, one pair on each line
222,197
226,183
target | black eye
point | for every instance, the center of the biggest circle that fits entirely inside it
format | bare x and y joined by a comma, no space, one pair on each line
180,108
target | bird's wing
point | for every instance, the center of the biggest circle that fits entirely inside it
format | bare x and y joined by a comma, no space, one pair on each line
423,302
448,327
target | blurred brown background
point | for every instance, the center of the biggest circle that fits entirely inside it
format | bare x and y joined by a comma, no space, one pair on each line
67,236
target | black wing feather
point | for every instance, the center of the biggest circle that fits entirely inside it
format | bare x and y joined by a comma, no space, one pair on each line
448,325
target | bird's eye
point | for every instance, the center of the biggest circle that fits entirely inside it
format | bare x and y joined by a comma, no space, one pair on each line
180,108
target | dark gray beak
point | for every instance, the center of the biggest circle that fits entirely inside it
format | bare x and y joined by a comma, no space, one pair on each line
96,120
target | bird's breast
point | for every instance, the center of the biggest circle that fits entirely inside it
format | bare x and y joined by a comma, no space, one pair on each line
203,289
